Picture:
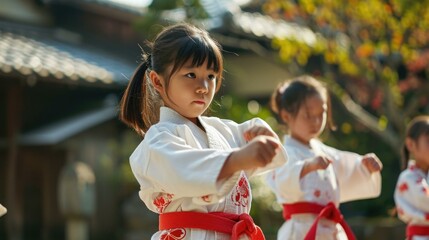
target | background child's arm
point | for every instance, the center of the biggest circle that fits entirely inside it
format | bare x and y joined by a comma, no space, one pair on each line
313,164
354,178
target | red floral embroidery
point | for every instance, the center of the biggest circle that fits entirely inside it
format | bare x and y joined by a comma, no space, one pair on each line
426,190
240,194
316,193
162,201
173,234
403,187
274,176
419,180
427,216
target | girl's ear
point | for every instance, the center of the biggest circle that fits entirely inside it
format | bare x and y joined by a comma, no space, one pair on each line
285,116
410,144
157,81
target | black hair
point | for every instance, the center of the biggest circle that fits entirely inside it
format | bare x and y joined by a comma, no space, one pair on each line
417,127
291,94
171,49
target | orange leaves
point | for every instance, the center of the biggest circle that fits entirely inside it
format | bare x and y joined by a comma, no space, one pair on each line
365,50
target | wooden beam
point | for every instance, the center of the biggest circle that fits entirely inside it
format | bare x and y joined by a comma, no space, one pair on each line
13,125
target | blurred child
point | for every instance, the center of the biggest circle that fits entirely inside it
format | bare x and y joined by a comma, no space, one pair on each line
316,178
412,190
193,170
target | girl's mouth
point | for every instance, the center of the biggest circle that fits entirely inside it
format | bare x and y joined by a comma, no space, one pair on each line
199,102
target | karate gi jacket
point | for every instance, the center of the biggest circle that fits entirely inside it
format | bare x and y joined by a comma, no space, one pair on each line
346,179
412,197
177,165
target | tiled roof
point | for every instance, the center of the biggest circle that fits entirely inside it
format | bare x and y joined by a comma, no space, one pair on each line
254,24
36,55
265,26
228,17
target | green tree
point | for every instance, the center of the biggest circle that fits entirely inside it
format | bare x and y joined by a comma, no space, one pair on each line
370,53
163,12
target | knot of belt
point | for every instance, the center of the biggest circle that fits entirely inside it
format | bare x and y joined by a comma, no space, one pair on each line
329,211
244,224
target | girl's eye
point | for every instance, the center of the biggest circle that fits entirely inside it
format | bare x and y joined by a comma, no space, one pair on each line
190,75
212,77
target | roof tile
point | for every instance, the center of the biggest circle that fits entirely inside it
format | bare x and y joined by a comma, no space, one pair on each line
29,56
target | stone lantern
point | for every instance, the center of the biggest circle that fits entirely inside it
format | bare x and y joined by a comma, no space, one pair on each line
77,199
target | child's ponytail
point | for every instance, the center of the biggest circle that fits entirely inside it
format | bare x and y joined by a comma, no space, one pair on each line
405,157
276,101
139,106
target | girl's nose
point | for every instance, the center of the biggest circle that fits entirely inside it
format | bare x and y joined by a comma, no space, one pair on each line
203,87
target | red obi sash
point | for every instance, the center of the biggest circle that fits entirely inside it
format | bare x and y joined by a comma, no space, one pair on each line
417,230
234,224
329,212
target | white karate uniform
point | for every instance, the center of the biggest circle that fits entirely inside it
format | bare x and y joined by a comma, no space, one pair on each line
177,165
344,180
412,197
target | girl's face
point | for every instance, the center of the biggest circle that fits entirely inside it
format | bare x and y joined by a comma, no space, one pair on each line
420,150
191,90
310,119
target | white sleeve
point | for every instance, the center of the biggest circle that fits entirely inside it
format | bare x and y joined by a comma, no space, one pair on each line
165,163
354,179
412,198
238,130
285,180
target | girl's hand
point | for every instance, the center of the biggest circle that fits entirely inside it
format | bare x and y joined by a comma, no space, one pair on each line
259,152
258,131
319,162
372,163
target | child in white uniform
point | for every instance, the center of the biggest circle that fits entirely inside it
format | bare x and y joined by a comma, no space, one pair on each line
412,189
3,210
193,170
316,178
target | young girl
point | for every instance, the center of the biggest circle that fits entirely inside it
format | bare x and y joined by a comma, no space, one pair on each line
317,178
412,190
193,170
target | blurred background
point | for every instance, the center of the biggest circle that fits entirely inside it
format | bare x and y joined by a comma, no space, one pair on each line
64,64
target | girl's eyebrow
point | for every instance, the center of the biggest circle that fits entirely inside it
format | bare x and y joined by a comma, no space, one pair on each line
190,67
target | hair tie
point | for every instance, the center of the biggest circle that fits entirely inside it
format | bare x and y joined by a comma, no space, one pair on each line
148,61
282,88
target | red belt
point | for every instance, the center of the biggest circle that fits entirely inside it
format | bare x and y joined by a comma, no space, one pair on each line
329,212
234,224
413,230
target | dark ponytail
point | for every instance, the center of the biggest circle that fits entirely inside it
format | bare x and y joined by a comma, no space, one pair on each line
405,157
276,100
139,98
